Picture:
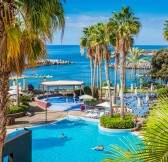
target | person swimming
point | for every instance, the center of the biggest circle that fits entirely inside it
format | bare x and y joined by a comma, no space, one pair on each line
62,135
98,148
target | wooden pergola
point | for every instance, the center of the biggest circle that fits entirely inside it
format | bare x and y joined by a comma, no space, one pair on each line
61,83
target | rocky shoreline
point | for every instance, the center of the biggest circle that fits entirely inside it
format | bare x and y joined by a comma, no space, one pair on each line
129,66
50,62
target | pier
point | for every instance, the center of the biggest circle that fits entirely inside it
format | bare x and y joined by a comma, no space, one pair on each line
50,62
129,66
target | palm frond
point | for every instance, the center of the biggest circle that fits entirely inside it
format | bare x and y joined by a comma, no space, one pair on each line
154,145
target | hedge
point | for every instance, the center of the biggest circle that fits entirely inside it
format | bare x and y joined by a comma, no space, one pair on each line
17,109
116,122
25,99
91,102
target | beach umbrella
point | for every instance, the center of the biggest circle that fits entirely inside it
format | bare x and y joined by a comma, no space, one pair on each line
132,87
136,91
106,87
139,102
14,88
152,88
147,97
14,92
83,97
104,104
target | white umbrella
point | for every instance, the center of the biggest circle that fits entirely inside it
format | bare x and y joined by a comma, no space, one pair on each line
106,87
152,88
147,97
132,87
14,92
83,97
104,104
139,102
14,88
136,91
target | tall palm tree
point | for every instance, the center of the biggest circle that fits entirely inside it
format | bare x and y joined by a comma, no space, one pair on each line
23,43
165,30
86,41
102,40
154,145
123,24
135,57
116,56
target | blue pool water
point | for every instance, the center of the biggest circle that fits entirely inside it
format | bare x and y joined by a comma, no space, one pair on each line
61,99
81,136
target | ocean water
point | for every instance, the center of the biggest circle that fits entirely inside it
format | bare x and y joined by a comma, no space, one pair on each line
80,70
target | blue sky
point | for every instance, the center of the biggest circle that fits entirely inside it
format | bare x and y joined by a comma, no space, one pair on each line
83,13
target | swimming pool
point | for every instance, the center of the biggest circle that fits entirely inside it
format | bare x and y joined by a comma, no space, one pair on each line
63,103
61,99
81,136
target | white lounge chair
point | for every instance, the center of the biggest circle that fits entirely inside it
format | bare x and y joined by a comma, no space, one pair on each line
88,115
101,114
95,115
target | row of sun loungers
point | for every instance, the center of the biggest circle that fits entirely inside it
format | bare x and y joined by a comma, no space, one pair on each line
95,114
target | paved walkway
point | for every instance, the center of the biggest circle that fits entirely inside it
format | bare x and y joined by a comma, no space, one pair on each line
39,117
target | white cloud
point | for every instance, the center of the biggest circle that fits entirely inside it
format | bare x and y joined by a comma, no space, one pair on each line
150,33
82,21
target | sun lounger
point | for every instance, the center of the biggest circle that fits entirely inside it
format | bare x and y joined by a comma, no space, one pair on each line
88,115
95,115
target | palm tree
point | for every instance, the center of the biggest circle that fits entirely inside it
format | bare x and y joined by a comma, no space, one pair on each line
154,143
23,43
102,40
165,30
135,57
123,24
86,41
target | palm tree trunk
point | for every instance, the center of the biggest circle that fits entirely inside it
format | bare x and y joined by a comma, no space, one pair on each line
17,94
91,70
124,71
135,77
100,78
94,75
115,77
97,75
122,74
4,87
108,84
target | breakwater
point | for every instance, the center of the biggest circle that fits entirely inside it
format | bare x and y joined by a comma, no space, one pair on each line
129,66
49,62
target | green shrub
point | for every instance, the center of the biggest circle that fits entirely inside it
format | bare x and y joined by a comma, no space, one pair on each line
162,91
104,84
77,92
126,90
116,122
25,99
91,102
88,91
17,109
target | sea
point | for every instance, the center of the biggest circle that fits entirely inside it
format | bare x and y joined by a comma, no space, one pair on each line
80,70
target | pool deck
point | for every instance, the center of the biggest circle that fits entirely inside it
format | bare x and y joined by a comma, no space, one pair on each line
38,117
